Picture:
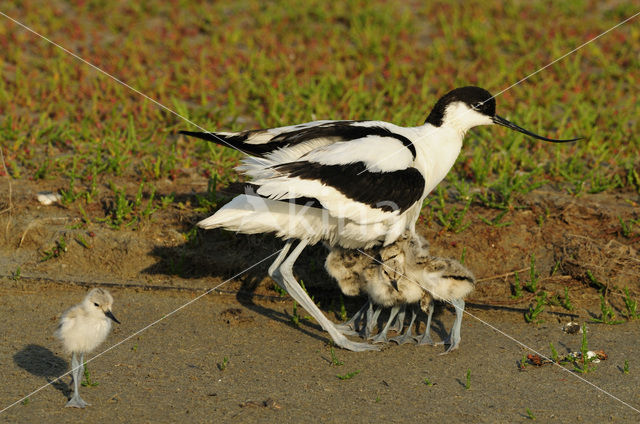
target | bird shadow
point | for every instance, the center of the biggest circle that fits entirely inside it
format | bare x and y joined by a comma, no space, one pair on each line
226,256
40,361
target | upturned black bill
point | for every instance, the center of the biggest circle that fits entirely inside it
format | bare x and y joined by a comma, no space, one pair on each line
501,121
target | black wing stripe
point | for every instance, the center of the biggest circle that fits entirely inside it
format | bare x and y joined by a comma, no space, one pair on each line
338,130
388,191
341,131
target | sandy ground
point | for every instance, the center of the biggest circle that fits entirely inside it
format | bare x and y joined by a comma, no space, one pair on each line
275,371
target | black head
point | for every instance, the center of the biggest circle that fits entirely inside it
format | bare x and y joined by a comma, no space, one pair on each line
475,97
482,111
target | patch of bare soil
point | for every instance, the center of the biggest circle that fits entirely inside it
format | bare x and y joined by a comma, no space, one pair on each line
275,370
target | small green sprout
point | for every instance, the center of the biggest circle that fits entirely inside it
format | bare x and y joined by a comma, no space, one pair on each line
281,292
87,382
223,365
582,365
566,302
535,310
348,375
631,304
56,251
81,240
554,353
295,318
530,414
517,288
15,276
595,282
608,316
334,359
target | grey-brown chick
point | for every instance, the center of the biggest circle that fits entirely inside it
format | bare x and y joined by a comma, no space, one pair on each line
403,273
378,273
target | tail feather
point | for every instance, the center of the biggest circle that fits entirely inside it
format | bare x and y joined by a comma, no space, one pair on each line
235,141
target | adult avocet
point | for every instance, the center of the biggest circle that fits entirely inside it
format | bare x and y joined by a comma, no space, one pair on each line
350,183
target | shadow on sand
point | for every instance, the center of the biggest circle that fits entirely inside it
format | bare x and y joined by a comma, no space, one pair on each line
40,361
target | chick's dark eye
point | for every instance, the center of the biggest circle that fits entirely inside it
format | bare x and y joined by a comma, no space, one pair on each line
97,306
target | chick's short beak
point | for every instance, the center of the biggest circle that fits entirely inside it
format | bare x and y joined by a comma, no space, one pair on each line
110,315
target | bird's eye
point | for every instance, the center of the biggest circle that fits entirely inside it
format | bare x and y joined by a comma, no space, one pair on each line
97,306
476,106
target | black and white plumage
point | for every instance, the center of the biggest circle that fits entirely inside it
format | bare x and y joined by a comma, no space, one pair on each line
368,177
82,328
401,274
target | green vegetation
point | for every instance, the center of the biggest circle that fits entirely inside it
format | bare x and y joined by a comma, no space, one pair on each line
608,316
295,317
334,359
281,292
87,381
249,64
56,251
583,363
566,302
348,375
15,275
593,281
530,414
516,289
631,304
467,382
536,309
223,365
554,353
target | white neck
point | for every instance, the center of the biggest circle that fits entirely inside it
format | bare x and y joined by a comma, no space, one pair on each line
436,152
461,118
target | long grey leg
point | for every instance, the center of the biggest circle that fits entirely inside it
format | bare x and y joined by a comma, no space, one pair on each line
426,337
381,337
408,335
77,369
351,327
454,337
289,283
273,269
372,320
398,322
